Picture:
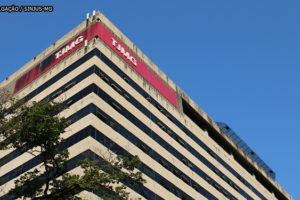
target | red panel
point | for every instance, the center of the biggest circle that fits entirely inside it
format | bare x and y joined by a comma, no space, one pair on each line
103,33
140,67
52,60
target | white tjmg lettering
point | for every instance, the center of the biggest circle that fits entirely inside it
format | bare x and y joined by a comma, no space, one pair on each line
69,47
122,50
58,54
79,40
114,42
133,60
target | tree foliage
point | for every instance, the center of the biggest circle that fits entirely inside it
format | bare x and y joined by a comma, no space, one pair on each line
37,130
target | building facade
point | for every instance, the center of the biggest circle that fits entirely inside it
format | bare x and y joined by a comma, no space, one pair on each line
119,100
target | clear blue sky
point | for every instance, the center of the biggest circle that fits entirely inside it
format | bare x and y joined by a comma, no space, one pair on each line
239,60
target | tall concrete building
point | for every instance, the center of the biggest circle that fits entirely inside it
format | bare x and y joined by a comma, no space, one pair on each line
120,100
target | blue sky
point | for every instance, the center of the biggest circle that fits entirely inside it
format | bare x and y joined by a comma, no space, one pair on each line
238,60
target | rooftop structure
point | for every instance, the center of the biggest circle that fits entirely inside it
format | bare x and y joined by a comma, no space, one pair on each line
247,149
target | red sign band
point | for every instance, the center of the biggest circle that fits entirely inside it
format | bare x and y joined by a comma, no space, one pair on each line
103,33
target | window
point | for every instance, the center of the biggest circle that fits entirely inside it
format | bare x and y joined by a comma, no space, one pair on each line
101,116
169,132
211,153
159,108
164,184
19,171
126,79
161,126
224,193
126,96
70,102
56,94
148,98
169,117
217,187
223,177
115,87
195,187
184,161
144,194
175,171
181,142
185,179
185,130
163,163
190,165
184,197
217,172
143,148
207,179
235,187
104,78
112,125
230,183
116,106
70,85
69,122
174,191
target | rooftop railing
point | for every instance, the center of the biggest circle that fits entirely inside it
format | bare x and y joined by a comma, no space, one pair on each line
246,149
